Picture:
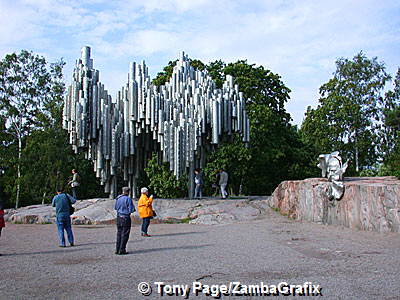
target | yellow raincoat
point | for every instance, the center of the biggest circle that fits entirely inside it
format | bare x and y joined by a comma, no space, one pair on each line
145,207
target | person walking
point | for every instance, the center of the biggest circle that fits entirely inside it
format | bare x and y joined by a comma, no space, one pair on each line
75,182
145,208
223,181
199,182
124,207
2,223
63,204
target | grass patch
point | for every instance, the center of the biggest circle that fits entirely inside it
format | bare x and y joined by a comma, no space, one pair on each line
177,221
185,220
169,221
278,211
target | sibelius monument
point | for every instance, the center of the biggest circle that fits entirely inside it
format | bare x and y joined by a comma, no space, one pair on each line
180,120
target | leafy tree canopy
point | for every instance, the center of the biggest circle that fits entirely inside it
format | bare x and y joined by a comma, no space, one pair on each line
34,149
349,114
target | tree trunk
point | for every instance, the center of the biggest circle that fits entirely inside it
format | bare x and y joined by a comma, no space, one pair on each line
356,154
357,167
44,197
18,171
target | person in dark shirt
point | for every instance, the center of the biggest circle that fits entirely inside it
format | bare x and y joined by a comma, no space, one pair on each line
124,207
62,202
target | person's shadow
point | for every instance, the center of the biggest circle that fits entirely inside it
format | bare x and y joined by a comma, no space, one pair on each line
169,248
64,250
178,233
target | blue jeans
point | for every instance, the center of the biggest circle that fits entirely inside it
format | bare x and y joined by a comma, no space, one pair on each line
145,224
198,192
64,223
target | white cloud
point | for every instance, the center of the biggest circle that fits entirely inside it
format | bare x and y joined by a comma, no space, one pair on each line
300,40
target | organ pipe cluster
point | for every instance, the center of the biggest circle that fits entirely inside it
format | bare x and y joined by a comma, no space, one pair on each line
179,120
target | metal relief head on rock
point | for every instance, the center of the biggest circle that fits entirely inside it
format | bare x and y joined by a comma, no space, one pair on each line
333,168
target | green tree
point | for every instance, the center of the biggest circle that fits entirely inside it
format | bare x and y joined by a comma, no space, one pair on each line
46,165
391,131
216,71
35,153
230,151
350,109
162,181
163,76
276,151
27,86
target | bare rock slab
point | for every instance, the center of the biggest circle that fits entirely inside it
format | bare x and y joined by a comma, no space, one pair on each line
369,203
101,211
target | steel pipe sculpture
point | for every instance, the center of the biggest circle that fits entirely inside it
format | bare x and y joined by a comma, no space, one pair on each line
179,120
333,168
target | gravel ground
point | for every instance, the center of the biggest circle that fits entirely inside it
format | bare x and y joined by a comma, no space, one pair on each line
347,264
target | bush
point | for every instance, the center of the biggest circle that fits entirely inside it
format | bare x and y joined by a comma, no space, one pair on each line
163,182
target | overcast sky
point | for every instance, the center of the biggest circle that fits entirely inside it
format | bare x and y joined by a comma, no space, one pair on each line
298,39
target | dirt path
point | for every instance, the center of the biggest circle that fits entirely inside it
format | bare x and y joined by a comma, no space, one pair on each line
346,264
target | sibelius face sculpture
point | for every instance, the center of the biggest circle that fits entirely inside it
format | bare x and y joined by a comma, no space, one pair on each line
181,121
333,168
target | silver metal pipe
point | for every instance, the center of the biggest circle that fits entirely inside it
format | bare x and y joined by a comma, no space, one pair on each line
177,116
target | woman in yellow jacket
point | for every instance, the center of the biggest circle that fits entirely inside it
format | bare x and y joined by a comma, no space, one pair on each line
145,210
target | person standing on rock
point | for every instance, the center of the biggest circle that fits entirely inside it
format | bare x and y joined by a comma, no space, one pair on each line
75,182
199,182
145,208
223,181
124,207
63,204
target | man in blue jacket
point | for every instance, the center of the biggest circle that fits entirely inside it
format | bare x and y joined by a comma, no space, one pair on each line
62,202
124,207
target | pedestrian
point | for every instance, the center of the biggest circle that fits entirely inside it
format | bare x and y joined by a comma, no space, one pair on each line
63,204
2,223
198,181
75,182
124,207
223,181
145,209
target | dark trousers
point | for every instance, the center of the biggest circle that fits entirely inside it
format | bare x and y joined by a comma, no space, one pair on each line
123,231
145,224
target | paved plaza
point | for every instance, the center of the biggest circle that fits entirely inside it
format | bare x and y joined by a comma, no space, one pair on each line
346,264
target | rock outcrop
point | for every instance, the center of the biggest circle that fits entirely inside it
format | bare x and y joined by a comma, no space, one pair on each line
101,211
368,203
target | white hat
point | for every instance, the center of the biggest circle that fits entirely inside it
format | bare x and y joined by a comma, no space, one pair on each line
144,190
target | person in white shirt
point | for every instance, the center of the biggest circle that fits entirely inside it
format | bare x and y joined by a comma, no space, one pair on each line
223,181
